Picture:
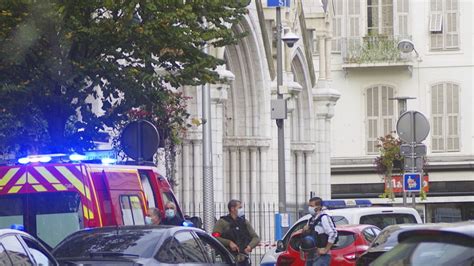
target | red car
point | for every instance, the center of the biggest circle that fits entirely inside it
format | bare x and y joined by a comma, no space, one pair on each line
353,241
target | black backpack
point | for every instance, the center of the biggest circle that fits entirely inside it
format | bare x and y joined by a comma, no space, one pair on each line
321,239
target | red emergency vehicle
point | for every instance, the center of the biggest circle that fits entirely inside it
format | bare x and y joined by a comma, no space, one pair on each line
52,200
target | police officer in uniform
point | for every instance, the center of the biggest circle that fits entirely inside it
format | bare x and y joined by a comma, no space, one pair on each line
325,230
236,233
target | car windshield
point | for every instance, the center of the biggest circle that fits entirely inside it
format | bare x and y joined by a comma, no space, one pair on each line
433,252
49,216
110,243
386,219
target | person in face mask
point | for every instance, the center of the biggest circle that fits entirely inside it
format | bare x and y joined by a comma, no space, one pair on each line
236,233
153,217
324,229
171,217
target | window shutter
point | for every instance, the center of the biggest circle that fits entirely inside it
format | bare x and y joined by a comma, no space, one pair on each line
402,16
353,32
451,24
452,115
380,115
372,117
437,111
337,26
436,16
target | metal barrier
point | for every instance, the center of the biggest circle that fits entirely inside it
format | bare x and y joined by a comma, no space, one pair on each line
260,215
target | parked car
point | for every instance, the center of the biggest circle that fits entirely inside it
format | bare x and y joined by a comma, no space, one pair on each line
385,241
444,244
20,248
143,245
353,241
378,216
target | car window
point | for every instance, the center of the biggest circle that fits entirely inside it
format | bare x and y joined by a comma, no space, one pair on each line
376,230
170,252
345,239
39,254
386,219
145,178
15,251
132,213
4,259
142,243
191,249
386,239
427,253
215,252
368,234
338,220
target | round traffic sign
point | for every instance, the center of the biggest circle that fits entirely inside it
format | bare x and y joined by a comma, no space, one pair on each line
412,126
140,140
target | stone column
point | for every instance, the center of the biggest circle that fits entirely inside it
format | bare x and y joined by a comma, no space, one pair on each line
300,179
186,175
324,99
328,57
244,175
253,187
322,57
233,173
308,174
197,181
266,185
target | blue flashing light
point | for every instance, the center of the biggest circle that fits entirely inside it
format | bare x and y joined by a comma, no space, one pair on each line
35,159
188,223
108,160
19,227
338,204
77,157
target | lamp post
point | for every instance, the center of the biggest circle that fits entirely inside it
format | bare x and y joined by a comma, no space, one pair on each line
290,39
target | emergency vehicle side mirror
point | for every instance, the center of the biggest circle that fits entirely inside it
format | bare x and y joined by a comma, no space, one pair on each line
280,246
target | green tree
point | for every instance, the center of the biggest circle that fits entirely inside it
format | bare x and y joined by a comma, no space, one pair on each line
70,68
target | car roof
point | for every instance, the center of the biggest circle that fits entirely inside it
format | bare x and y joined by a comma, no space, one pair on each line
354,227
12,231
350,212
461,228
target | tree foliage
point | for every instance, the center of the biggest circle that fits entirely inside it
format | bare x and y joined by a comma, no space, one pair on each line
70,68
389,147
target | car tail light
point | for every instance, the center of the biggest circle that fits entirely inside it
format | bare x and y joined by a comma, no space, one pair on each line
359,251
285,260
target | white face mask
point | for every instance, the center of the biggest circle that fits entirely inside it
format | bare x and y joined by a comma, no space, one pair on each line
148,220
311,210
169,213
240,212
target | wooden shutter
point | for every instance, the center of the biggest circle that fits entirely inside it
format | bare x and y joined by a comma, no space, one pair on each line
402,18
353,27
387,110
372,119
452,117
437,114
386,26
451,24
337,25
436,24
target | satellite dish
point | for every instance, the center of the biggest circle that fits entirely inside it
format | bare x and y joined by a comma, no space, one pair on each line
140,140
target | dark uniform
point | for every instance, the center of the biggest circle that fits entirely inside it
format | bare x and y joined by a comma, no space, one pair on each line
176,220
240,232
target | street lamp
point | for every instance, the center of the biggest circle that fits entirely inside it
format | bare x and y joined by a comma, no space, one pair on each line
290,39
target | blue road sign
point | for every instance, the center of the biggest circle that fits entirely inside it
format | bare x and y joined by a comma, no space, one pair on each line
278,3
412,182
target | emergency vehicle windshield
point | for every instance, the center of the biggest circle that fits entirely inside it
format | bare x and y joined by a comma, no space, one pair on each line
48,216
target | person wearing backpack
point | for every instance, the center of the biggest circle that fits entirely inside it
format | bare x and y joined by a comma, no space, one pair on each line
322,227
236,233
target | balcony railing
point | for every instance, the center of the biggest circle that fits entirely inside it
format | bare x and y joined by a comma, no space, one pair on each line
372,49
